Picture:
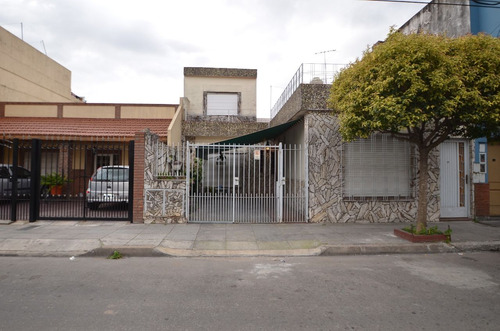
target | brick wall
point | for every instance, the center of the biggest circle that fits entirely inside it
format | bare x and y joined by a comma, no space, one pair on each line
138,214
482,199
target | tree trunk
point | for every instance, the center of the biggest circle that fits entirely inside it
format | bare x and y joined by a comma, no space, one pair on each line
423,165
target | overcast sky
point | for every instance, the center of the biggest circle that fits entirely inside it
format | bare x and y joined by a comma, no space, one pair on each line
122,51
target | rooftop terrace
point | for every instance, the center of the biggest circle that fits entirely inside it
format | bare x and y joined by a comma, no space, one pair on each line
308,73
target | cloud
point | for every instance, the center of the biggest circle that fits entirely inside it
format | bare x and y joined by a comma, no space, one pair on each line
131,51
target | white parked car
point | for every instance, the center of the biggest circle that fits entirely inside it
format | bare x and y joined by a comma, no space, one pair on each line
108,184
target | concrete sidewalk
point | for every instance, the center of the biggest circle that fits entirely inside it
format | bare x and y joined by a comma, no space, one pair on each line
80,238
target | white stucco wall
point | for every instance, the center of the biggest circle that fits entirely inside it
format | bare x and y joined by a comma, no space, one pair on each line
194,88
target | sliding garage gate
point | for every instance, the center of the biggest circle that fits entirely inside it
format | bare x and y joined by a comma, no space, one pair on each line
245,184
15,180
65,180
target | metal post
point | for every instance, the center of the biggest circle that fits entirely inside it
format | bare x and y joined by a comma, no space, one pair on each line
305,160
234,181
35,180
13,205
280,183
131,146
188,174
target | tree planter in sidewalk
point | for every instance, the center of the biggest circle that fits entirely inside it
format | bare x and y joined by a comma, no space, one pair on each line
420,238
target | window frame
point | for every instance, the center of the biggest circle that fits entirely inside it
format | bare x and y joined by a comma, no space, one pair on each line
348,193
483,164
206,103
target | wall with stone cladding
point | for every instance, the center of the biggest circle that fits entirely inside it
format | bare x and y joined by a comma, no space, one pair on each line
315,96
307,97
164,199
292,106
229,129
326,203
219,72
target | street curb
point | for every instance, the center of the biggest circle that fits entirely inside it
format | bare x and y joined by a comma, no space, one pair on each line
125,251
20,253
175,252
476,246
324,250
412,248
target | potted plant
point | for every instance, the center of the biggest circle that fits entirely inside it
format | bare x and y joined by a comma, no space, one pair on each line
54,182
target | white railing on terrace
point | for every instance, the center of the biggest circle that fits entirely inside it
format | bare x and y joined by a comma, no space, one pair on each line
308,73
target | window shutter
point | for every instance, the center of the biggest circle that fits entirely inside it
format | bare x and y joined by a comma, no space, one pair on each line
377,167
222,104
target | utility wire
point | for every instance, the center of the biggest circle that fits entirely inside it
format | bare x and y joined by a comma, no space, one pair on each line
479,3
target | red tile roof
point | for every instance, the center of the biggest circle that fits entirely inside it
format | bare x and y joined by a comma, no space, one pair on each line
80,127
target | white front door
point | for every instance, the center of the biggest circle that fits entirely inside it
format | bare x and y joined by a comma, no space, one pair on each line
454,174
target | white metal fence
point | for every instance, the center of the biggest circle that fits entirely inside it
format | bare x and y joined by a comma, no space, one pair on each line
169,160
245,184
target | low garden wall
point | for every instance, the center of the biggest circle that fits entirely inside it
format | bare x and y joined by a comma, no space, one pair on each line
164,198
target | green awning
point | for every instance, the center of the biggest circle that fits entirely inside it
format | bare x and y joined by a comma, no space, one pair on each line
249,139
259,136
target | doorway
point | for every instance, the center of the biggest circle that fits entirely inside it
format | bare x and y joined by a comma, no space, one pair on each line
454,174
494,177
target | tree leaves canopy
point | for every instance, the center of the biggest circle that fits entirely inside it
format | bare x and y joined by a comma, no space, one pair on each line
421,87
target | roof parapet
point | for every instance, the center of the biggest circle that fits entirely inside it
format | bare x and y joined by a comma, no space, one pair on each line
219,72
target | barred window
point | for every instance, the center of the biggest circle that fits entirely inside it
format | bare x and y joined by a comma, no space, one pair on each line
377,167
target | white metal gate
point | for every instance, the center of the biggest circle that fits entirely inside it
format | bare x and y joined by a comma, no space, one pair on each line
244,184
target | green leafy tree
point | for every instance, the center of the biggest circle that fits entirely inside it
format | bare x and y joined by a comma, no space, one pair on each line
424,89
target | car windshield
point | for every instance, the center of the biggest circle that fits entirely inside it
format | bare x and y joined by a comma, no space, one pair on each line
111,174
4,172
23,173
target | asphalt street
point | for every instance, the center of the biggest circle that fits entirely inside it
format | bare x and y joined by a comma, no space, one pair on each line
452,291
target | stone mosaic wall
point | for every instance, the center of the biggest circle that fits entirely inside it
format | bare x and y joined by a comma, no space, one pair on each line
307,97
164,199
326,203
219,72
233,126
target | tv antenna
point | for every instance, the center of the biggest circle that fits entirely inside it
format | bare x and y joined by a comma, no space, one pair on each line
44,49
324,59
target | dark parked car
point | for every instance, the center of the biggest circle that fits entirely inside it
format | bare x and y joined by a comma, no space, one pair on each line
6,181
